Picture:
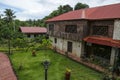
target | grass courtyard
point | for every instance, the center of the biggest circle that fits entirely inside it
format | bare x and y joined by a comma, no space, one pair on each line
32,69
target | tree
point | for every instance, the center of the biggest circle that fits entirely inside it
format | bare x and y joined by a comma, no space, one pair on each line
1,26
60,9
67,8
9,16
54,13
80,6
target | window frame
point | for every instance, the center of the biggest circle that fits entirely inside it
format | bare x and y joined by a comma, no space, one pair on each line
71,28
51,27
100,30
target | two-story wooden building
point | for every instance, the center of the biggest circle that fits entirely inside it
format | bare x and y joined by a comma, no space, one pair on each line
92,32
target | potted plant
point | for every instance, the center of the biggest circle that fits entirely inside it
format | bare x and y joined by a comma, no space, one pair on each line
67,74
33,53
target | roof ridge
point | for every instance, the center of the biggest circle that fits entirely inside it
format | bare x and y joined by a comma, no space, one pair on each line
94,13
104,5
83,16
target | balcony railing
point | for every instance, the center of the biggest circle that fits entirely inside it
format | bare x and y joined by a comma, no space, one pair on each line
64,35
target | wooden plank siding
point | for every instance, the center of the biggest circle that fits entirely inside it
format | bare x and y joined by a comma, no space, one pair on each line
109,23
59,30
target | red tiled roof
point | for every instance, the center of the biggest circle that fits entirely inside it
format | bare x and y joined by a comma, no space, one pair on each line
103,41
103,12
68,16
33,29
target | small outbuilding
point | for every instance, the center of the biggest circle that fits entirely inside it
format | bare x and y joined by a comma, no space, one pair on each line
32,32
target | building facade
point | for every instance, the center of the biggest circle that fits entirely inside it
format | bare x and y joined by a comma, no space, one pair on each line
92,33
32,32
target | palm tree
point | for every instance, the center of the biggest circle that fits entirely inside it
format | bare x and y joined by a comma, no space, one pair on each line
9,16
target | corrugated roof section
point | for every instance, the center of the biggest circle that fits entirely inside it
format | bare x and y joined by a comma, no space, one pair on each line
103,12
33,29
103,41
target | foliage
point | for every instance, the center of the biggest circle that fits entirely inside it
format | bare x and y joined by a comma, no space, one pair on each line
67,8
32,69
20,43
38,43
68,70
6,24
80,6
9,16
46,43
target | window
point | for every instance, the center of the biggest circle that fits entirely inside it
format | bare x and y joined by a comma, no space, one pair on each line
100,30
51,27
28,35
71,28
69,47
55,40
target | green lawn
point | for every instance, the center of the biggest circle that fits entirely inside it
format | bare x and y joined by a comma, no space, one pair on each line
34,70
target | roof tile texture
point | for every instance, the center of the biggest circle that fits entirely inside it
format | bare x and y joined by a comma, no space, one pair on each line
33,29
96,13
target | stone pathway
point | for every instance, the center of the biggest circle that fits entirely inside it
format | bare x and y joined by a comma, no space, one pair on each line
6,71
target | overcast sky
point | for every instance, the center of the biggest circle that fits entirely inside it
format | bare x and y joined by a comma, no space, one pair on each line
37,9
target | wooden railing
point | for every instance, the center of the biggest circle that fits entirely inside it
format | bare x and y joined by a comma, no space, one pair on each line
64,35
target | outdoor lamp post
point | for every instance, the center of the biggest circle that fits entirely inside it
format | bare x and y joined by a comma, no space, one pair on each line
46,64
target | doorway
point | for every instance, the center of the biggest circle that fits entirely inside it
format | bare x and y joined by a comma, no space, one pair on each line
69,47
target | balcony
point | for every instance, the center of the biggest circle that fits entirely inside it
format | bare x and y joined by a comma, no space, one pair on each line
64,35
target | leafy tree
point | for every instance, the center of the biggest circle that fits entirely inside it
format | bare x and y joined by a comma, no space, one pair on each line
9,16
46,43
60,9
1,23
80,6
67,8
20,43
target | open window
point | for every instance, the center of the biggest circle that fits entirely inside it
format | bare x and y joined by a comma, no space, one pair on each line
51,27
71,28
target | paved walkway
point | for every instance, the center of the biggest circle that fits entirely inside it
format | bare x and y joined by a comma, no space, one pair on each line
6,71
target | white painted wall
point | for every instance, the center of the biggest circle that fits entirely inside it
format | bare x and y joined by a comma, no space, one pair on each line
77,48
62,45
116,36
116,32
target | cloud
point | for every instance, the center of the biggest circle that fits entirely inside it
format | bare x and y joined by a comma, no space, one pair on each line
37,9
